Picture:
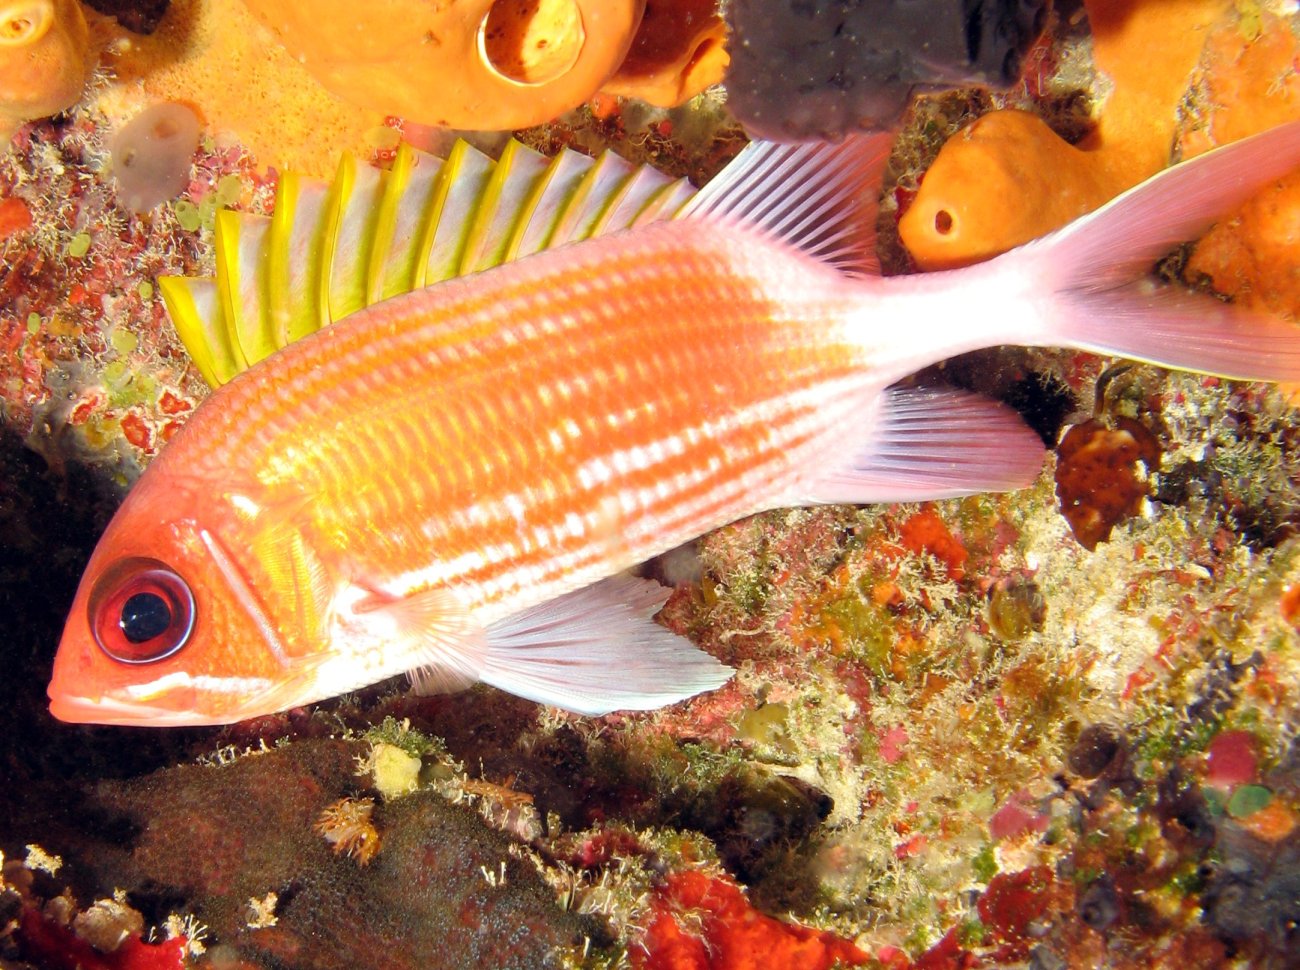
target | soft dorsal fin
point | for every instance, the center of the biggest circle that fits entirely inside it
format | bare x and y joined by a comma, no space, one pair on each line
820,198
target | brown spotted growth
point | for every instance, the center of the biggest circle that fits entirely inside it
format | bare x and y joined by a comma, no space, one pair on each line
1102,475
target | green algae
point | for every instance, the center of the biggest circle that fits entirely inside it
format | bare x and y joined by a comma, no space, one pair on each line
79,245
123,341
400,734
187,215
229,189
1246,800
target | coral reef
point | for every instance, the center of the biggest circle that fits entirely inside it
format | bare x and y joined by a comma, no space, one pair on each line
210,839
957,737
45,59
702,922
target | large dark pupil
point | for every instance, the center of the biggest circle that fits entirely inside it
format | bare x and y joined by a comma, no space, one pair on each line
145,616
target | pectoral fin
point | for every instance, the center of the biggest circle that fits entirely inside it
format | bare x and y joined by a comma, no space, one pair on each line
598,650
429,635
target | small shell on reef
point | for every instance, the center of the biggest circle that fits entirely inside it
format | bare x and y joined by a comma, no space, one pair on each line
152,154
107,924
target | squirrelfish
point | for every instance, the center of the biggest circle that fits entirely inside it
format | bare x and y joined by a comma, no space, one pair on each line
451,483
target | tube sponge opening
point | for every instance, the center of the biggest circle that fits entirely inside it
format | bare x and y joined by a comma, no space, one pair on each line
152,155
45,58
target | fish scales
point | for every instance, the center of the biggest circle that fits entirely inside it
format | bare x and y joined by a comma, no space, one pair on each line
448,484
523,422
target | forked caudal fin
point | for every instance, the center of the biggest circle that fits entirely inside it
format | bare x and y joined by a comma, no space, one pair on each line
1097,270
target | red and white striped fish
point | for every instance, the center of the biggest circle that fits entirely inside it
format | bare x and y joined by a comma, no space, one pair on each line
446,482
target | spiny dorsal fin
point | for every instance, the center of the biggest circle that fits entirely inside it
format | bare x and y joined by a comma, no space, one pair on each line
330,249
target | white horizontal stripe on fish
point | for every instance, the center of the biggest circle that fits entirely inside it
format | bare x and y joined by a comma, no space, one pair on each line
664,516
204,682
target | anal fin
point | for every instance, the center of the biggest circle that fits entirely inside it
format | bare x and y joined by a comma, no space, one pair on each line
933,443
598,650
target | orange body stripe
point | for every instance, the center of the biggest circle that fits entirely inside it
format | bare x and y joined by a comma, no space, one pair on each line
523,432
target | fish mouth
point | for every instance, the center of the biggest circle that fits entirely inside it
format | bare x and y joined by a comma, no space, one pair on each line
106,710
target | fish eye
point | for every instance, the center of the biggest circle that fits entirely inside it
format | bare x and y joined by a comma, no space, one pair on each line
141,610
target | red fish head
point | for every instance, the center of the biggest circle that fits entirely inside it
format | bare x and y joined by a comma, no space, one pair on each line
155,636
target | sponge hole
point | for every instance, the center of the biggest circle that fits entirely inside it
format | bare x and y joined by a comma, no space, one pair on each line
24,23
532,41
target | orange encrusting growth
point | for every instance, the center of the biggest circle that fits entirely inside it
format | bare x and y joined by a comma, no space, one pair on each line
1008,178
396,440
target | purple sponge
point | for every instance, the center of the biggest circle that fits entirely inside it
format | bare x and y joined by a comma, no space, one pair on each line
805,69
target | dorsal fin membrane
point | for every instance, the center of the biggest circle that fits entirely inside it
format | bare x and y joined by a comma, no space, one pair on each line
507,203
196,314
355,200
820,198
462,183
331,248
297,292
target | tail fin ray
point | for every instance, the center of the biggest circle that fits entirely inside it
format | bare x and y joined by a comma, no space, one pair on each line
1097,270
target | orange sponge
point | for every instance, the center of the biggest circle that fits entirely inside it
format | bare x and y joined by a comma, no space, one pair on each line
678,51
45,59
1250,84
473,64
1008,178
976,199
1254,257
